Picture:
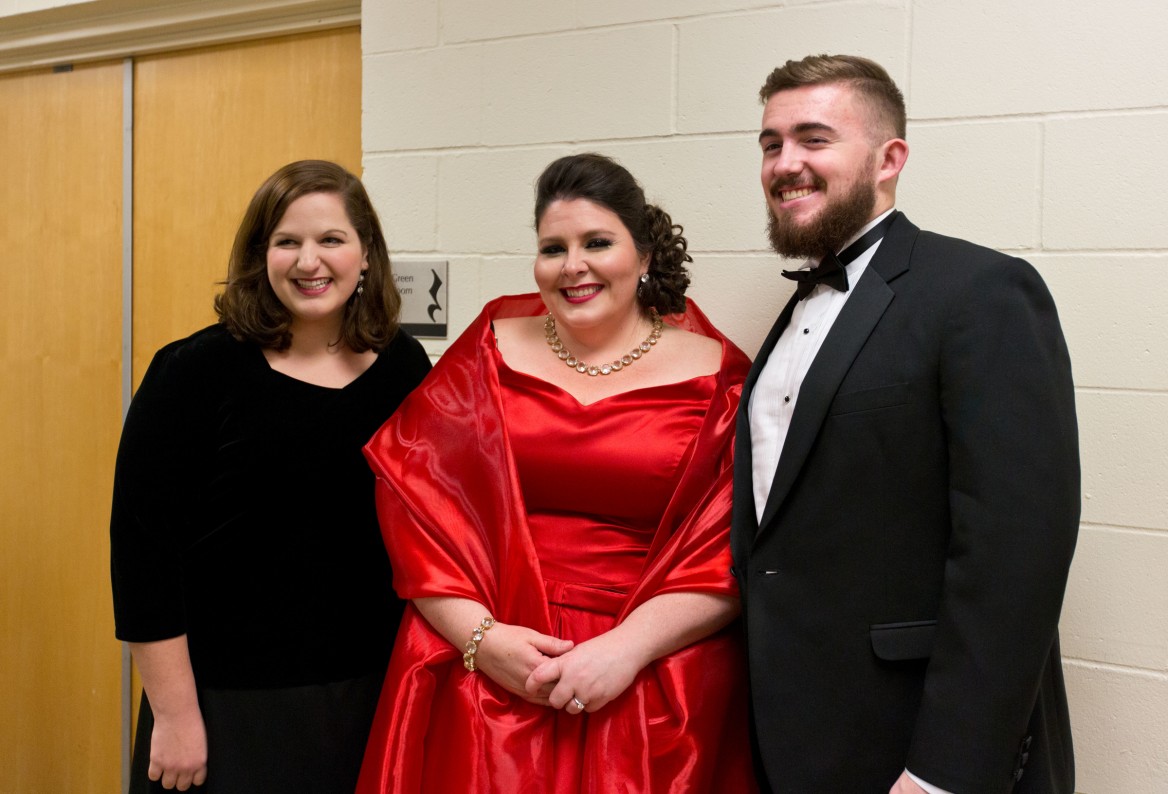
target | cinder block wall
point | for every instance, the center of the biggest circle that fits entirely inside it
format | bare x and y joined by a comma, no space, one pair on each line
1035,127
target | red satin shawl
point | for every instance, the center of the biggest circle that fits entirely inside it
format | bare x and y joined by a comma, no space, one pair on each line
452,518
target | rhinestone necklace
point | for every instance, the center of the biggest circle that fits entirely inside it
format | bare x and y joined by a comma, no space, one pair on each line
553,340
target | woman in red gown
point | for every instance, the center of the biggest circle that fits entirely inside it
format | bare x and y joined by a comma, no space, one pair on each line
561,531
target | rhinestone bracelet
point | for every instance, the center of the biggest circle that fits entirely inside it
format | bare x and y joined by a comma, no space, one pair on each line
472,645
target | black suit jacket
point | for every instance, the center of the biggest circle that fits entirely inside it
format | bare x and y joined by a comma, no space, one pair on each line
901,593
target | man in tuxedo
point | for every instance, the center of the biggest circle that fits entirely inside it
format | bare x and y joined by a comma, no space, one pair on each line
906,476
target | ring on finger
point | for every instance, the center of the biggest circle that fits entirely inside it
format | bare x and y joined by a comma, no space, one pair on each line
580,704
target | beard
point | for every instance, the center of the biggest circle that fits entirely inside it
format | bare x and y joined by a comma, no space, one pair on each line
830,229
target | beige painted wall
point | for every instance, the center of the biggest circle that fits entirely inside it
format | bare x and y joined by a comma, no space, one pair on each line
1035,127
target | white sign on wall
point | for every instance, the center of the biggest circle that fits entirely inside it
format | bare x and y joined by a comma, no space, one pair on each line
425,300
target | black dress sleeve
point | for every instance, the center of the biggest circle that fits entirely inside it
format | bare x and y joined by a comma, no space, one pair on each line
157,457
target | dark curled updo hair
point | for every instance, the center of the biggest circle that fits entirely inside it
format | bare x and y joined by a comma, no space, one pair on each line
248,306
603,181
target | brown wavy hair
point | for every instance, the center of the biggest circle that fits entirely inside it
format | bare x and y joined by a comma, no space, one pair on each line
248,306
603,181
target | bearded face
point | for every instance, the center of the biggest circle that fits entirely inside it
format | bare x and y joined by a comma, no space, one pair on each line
844,212
822,156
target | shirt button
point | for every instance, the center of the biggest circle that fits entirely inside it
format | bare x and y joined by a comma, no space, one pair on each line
787,399
806,330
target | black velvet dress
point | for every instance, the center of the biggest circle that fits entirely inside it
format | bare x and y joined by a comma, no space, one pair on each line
243,517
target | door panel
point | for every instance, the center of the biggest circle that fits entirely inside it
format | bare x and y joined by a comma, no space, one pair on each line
60,413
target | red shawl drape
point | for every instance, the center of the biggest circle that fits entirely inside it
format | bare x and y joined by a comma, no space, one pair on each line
453,521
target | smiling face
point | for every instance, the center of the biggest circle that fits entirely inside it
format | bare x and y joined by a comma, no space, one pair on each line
588,267
315,258
823,174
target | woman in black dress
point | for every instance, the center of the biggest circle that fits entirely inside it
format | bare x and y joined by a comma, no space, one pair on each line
249,575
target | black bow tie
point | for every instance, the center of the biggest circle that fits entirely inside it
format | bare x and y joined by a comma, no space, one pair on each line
831,271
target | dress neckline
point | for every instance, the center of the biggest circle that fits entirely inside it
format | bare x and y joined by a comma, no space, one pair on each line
548,385
259,353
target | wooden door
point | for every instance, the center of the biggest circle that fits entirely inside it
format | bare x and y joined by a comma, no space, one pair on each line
60,414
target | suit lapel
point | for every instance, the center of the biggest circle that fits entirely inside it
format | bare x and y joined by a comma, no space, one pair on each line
844,341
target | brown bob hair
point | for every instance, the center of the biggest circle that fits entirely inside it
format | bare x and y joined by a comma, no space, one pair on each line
248,306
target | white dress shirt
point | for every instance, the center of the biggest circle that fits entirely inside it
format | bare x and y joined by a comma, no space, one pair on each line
772,401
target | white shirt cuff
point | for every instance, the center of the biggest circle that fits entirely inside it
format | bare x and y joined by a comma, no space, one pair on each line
929,787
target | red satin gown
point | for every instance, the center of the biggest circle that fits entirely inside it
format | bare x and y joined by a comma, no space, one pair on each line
587,512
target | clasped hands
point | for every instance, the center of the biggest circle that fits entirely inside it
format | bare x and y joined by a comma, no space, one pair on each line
548,671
